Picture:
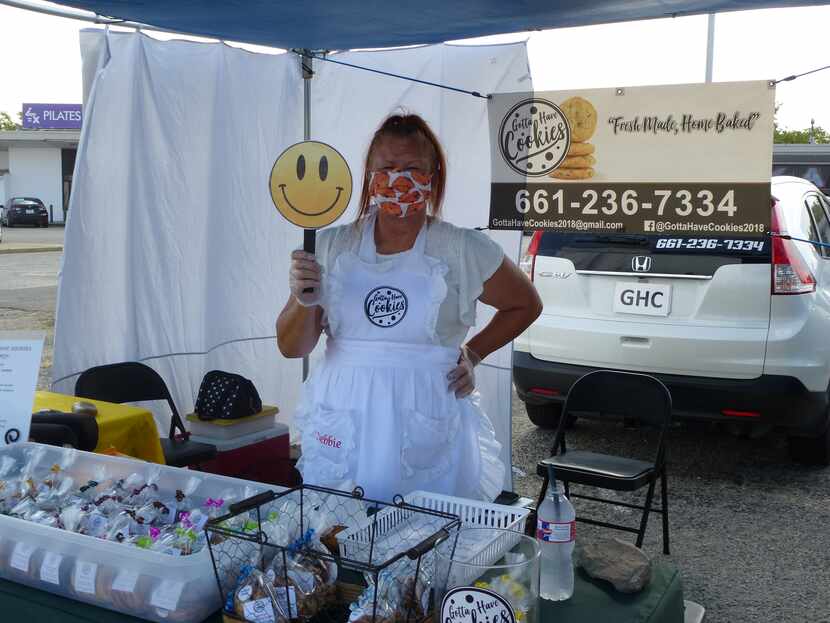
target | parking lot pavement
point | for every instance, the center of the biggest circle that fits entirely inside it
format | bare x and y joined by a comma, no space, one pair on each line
28,287
24,234
23,271
749,530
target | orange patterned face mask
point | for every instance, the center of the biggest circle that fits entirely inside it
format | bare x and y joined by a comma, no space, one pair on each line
400,192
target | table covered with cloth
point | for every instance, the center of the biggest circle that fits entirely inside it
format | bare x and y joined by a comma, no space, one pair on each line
592,602
129,430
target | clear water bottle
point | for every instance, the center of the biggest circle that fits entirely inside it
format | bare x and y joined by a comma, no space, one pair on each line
556,532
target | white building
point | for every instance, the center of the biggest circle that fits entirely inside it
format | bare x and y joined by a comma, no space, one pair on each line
38,163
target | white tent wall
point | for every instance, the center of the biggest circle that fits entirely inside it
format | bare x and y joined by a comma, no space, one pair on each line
174,253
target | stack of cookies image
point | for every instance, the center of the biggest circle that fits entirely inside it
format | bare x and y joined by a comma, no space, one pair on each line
579,161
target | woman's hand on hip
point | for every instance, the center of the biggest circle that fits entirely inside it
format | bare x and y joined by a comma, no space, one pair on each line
304,274
462,378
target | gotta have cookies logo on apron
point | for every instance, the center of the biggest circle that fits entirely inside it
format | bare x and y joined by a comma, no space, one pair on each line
385,306
538,137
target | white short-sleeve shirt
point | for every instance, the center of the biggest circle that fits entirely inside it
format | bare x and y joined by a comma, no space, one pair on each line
471,258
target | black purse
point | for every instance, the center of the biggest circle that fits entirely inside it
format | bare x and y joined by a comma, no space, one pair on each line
226,396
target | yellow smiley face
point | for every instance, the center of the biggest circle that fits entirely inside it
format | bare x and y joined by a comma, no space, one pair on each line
311,184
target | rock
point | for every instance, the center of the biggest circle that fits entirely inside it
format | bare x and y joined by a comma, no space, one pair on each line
618,562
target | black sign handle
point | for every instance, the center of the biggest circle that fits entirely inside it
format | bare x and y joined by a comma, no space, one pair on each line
309,246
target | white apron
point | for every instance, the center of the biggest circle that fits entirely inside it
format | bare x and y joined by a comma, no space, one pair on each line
378,412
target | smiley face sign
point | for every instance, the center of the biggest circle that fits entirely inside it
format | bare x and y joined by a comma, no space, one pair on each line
311,184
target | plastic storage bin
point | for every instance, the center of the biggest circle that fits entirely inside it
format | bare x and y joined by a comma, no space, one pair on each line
127,579
231,429
262,456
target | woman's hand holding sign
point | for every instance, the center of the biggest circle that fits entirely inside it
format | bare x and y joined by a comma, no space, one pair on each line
304,278
299,325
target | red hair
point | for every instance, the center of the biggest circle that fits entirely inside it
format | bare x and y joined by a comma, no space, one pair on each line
408,126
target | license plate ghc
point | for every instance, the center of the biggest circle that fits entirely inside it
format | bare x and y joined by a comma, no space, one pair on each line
642,298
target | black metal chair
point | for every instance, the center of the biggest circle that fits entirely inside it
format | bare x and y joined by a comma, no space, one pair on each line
135,382
615,395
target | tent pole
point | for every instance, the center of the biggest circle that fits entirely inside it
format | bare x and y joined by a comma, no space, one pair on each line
309,235
710,47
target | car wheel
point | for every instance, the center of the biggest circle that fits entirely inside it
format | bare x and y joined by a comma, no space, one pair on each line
547,416
810,450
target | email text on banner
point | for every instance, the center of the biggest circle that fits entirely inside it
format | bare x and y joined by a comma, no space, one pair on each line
640,208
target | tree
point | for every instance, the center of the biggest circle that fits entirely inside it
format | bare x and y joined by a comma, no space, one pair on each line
820,135
6,122
782,135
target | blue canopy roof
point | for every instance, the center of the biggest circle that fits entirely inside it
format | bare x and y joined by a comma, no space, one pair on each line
348,24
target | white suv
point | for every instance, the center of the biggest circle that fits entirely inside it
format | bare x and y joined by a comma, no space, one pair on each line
738,329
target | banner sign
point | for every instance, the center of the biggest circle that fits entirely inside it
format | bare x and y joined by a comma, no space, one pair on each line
678,159
19,366
52,116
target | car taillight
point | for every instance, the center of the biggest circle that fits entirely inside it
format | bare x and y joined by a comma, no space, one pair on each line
528,262
790,273
544,391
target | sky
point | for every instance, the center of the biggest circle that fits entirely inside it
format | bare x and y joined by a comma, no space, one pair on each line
40,56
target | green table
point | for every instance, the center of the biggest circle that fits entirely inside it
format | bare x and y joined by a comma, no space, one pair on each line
595,601
661,602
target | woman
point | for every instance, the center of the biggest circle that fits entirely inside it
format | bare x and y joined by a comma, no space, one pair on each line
392,407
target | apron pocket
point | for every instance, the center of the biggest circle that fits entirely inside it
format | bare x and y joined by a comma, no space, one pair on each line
427,443
328,444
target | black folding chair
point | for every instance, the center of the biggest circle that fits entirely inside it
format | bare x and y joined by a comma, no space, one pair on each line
615,395
135,382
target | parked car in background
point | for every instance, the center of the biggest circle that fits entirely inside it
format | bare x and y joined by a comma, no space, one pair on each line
737,328
26,211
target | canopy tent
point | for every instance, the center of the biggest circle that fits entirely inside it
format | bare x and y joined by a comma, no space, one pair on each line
175,254
320,25
349,24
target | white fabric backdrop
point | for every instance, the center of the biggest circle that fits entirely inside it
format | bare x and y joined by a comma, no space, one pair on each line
174,254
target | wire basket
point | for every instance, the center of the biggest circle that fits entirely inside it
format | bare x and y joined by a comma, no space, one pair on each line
286,546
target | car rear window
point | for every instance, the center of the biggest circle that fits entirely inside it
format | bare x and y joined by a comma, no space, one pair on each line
669,255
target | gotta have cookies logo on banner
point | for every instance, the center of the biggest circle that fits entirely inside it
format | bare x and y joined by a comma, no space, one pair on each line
692,158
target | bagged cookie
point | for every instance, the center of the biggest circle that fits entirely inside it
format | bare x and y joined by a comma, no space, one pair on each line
401,596
9,482
255,598
22,560
57,484
311,580
87,583
128,590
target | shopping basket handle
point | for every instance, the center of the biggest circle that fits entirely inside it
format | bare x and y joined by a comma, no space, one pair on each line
252,502
427,544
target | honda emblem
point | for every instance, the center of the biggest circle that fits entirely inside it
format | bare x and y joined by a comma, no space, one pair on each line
641,263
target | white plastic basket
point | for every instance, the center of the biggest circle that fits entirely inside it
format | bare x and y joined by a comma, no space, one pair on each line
391,522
